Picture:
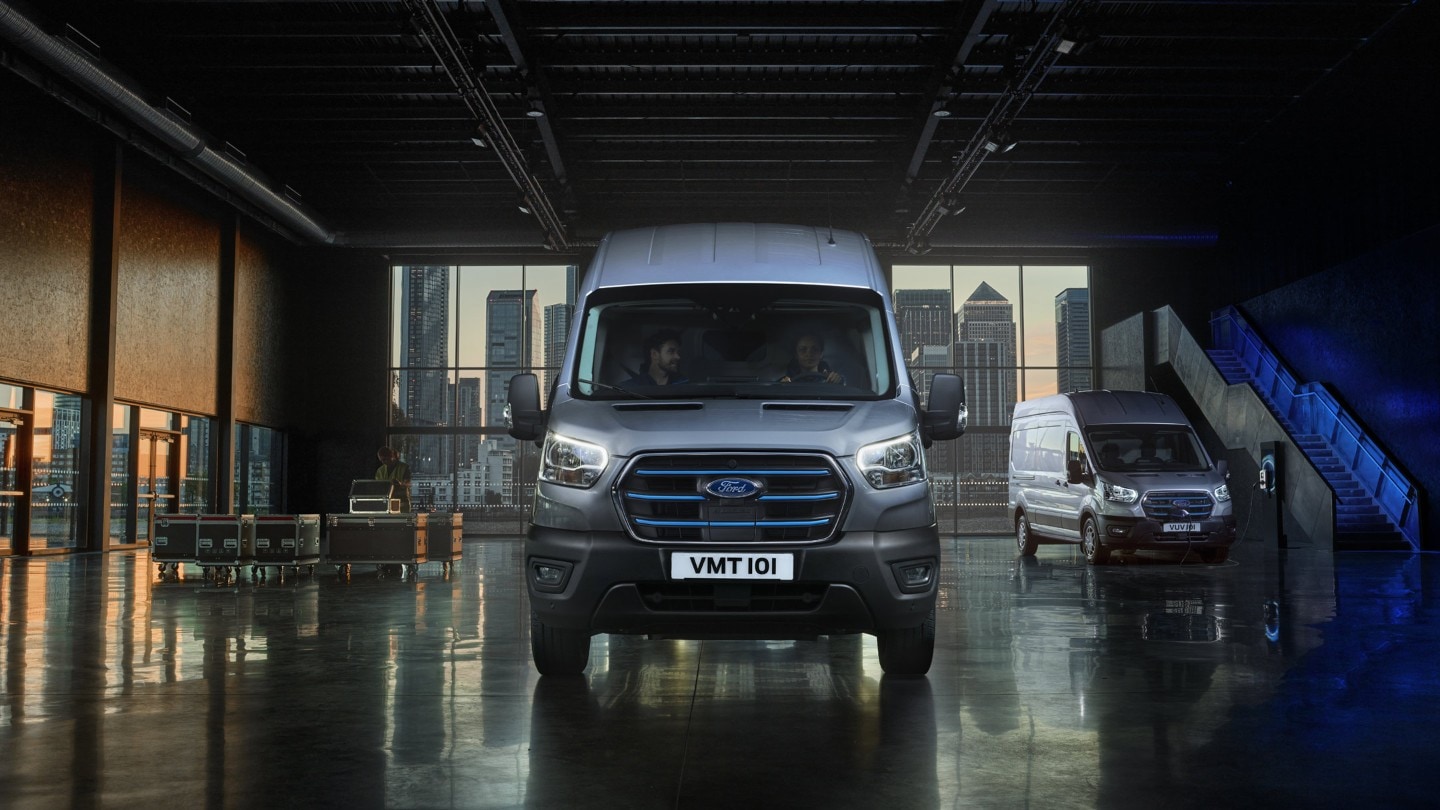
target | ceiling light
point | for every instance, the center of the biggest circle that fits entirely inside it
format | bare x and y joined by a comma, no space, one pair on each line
524,205
479,136
941,112
535,111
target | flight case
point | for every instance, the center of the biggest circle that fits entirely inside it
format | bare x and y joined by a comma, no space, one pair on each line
224,543
287,541
173,541
445,531
381,540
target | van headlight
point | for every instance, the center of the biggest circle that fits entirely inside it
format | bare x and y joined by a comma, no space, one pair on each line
571,462
1222,493
892,463
1118,494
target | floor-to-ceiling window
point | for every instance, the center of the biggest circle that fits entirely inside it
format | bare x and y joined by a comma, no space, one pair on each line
1012,332
259,469
459,334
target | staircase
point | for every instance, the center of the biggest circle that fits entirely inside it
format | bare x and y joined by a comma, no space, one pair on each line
1375,503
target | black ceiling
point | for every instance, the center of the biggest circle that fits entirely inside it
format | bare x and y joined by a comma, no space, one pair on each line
808,112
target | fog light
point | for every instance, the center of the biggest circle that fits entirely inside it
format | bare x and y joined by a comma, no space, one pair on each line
914,576
549,575
1117,531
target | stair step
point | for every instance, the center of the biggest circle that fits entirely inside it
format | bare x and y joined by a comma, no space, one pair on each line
1371,541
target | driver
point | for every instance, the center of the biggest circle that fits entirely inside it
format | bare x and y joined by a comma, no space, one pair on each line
808,364
662,366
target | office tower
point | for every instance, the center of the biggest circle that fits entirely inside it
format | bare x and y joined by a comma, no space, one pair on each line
557,330
424,322
923,317
987,317
1072,340
514,342
467,399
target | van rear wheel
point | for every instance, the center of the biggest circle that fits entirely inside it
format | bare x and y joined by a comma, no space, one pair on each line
1025,542
1095,551
558,650
909,650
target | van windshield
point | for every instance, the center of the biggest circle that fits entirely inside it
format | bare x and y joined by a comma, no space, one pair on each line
1146,448
722,340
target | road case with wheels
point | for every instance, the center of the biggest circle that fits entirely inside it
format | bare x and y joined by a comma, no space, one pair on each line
445,531
287,541
382,540
224,543
173,542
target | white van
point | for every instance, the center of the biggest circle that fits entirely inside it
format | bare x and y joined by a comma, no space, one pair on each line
697,481
1115,470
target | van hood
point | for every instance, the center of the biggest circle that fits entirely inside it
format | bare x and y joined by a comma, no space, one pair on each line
835,427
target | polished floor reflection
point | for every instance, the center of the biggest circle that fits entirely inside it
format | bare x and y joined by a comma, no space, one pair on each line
1280,679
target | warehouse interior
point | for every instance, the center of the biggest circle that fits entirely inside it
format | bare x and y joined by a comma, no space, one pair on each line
204,211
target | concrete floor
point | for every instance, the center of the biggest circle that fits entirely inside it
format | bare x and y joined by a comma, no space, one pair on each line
1280,679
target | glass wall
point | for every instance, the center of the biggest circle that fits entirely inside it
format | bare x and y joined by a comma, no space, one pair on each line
459,333
122,476
55,471
1012,332
258,484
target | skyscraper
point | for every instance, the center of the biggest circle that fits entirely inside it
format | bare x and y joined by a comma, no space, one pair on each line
514,342
923,317
557,330
467,400
1072,340
424,326
988,317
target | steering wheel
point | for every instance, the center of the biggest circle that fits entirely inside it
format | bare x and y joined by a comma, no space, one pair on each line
810,377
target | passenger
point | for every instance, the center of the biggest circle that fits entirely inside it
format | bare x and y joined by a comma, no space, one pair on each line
662,364
1109,457
393,469
808,364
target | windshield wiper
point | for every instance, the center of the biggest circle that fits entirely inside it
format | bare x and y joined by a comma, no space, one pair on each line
608,387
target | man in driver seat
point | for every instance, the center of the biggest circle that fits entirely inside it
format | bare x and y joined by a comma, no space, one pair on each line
662,366
808,364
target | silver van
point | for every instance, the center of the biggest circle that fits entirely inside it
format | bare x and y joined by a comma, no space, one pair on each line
1116,470
732,448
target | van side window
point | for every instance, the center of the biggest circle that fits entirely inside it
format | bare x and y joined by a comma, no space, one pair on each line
1052,450
1074,450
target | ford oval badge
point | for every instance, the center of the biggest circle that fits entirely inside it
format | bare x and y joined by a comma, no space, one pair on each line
734,487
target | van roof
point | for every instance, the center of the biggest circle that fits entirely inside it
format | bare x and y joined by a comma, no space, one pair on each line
736,252
1108,407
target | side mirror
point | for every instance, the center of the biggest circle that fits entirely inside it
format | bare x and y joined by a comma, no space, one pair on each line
945,415
1223,467
523,415
1075,471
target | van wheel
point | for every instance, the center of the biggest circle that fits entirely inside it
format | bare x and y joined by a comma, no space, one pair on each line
1095,551
1025,542
908,651
558,650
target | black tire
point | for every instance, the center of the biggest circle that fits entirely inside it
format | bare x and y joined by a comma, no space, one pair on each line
558,650
1025,541
1095,551
908,651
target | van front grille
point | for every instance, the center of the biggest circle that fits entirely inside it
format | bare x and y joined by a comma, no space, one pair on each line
786,498
1194,505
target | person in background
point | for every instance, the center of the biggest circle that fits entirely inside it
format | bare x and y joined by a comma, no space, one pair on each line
393,469
662,366
808,364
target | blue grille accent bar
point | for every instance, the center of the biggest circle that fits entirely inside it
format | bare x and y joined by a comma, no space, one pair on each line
732,472
801,498
761,524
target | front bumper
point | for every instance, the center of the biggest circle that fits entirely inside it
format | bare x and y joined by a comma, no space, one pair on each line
614,584
1144,533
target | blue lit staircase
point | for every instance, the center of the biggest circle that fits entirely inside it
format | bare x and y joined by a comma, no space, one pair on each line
1375,502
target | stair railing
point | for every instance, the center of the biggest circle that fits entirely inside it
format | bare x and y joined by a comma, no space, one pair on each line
1313,409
